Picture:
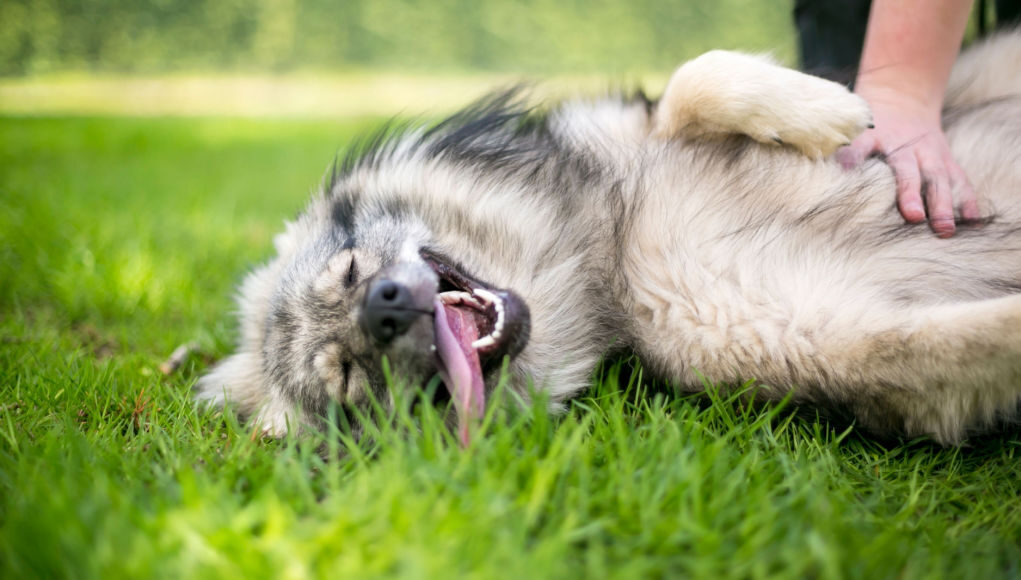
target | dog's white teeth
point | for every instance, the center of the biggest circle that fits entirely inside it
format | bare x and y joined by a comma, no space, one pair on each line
485,341
490,298
453,297
497,303
487,296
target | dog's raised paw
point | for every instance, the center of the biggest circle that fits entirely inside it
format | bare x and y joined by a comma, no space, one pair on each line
823,116
725,92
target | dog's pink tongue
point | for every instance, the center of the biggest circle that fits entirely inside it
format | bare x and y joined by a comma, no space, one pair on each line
460,369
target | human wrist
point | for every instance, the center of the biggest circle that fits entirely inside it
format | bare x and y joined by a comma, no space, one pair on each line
908,100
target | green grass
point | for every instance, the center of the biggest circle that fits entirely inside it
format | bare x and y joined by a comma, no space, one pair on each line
122,238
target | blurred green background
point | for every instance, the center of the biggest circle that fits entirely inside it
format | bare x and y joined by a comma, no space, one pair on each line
354,58
534,36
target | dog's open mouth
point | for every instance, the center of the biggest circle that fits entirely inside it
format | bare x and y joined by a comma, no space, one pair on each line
476,326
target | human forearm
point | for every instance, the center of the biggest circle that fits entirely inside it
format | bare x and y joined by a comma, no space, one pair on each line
910,48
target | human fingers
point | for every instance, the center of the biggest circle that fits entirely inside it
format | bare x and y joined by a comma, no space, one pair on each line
909,185
854,154
935,188
967,200
939,201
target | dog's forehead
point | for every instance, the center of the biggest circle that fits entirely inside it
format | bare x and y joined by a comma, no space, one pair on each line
383,220
388,238
357,238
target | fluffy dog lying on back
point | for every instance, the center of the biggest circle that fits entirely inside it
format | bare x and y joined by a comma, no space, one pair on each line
708,233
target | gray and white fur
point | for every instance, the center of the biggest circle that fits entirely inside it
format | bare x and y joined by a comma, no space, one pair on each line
711,233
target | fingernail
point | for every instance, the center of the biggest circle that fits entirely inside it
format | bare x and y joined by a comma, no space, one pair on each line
913,212
943,227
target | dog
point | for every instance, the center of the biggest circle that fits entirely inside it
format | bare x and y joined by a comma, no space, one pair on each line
711,233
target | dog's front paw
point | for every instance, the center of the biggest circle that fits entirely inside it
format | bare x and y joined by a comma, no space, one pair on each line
724,92
815,116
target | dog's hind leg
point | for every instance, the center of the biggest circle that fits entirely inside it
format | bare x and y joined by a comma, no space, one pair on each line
942,371
728,93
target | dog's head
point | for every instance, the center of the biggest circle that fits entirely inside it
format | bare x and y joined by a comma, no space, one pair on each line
442,251
355,281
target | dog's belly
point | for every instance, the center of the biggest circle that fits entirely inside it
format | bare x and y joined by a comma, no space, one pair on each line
764,267
743,316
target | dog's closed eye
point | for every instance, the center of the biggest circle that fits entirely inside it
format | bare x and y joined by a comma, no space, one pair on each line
345,371
351,278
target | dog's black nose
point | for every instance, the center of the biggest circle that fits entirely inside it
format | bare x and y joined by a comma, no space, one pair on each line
388,311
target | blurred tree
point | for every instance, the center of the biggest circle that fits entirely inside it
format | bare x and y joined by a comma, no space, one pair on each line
607,36
273,40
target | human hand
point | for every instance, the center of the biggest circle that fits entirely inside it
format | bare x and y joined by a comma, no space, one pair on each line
911,137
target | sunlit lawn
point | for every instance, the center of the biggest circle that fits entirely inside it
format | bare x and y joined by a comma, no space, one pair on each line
121,238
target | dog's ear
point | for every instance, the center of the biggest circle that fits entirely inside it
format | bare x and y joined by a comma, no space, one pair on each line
236,380
286,242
